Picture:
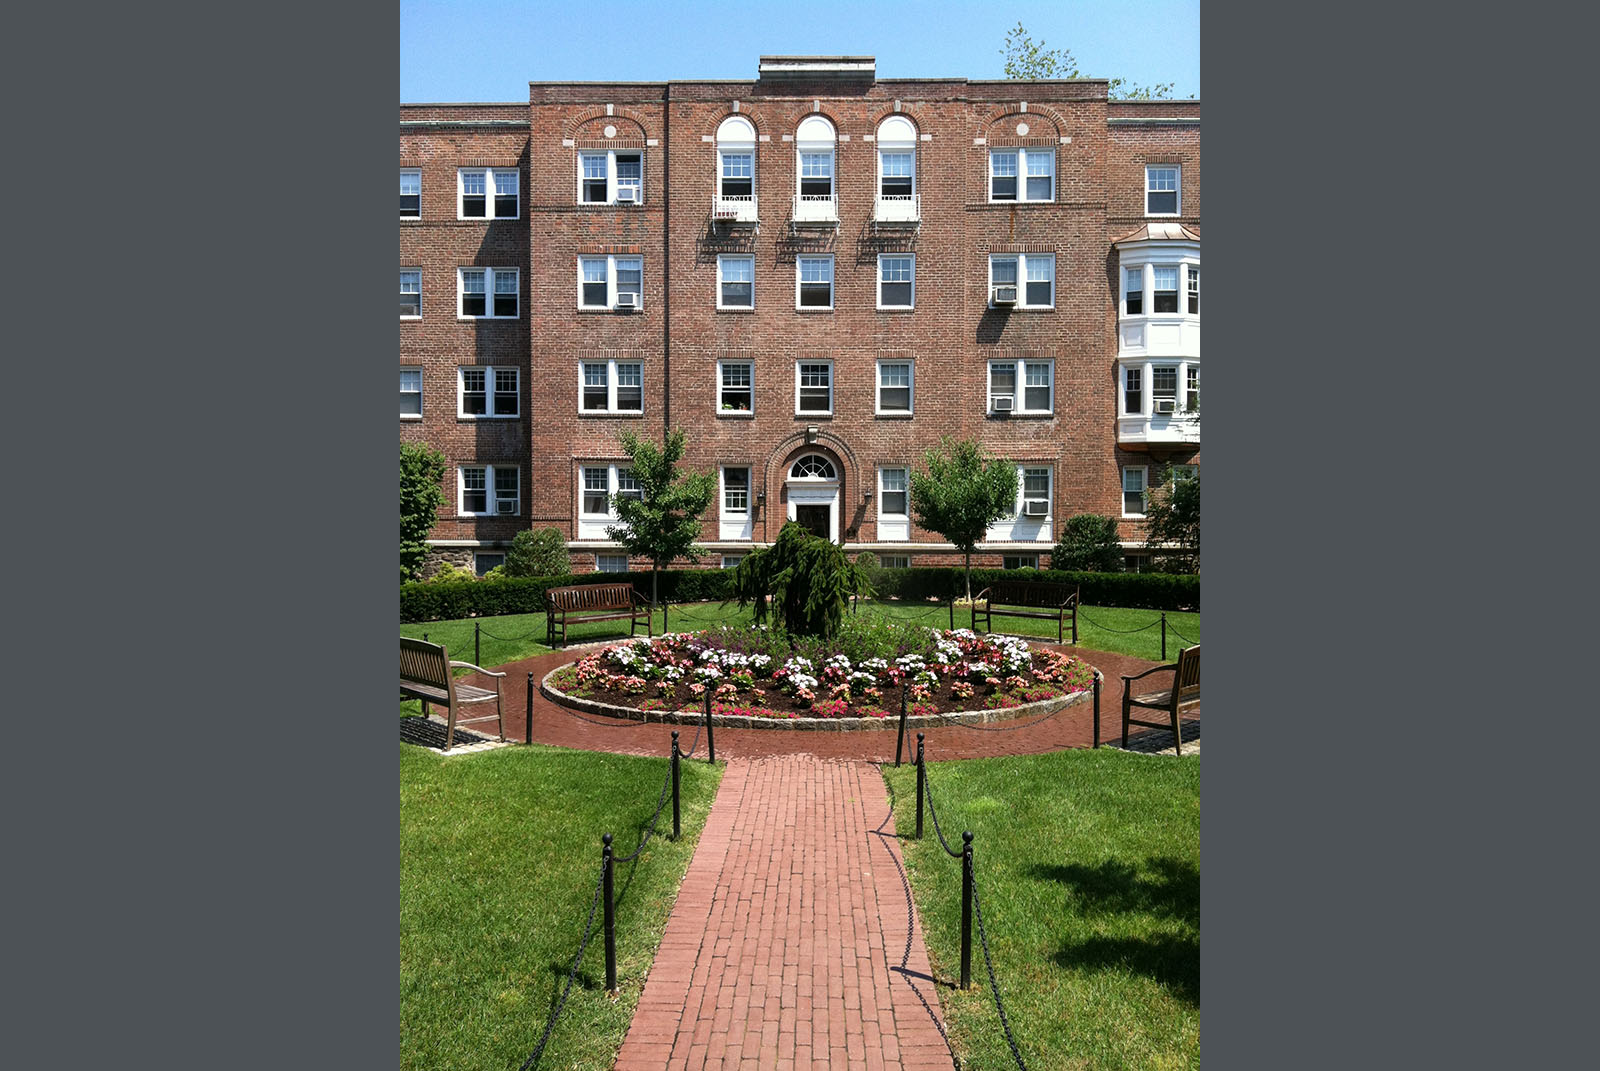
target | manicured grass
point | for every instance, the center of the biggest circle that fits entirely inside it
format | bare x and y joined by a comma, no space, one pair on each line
500,854
1088,872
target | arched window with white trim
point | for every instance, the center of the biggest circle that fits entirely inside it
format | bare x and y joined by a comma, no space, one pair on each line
735,197
813,467
816,198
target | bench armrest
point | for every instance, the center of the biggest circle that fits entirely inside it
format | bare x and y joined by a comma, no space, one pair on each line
468,665
982,596
1146,673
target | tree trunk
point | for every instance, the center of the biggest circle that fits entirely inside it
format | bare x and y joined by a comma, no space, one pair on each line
969,578
655,576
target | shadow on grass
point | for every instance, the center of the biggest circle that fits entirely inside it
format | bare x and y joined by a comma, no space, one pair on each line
1166,888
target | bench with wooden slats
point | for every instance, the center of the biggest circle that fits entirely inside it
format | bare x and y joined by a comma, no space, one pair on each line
1184,693
425,675
594,602
1027,598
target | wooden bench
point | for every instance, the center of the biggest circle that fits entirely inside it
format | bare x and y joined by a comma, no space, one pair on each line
1052,602
425,675
1185,692
594,602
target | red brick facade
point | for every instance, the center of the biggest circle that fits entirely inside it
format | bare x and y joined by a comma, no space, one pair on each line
678,334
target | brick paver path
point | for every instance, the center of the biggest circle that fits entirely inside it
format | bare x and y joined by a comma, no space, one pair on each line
784,948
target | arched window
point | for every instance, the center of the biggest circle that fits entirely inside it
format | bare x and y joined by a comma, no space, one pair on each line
897,158
736,158
813,467
814,142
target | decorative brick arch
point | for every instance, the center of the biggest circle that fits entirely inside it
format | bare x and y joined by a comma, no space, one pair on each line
801,116
782,455
620,116
1006,111
909,114
756,119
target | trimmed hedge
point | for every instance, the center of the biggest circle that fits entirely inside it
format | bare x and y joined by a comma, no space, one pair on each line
491,598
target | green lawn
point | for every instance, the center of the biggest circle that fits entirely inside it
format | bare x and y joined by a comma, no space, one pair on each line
1088,871
500,853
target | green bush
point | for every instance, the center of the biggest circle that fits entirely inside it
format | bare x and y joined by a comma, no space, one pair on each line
1146,591
450,573
541,553
1089,543
805,580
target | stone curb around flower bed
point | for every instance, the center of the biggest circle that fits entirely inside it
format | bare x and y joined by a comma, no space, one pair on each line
746,721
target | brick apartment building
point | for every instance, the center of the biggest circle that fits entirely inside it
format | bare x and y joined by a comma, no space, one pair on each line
816,274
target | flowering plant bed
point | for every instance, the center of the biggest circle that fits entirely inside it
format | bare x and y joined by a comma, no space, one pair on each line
757,674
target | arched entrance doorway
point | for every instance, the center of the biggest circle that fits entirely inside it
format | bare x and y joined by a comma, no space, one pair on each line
813,494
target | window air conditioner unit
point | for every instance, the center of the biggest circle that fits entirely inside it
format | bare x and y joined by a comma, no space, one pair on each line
506,506
627,301
1005,295
627,195
1002,403
1035,507
1166,405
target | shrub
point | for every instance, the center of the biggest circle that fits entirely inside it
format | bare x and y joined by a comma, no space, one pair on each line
807,578
450,573
421,470
541,553
1089,543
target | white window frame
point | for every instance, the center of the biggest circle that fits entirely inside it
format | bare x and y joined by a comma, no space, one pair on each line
489,195
606,563
884,514
1176,472
897,151
800,176
1177,188
911,388
613,489
612,185
412,172
731,561
489,291
1022,158
799,271
613,382
1191,290
1144,485
813,412
725,258
912,257
611,280
491,392
418,273
1128,290
477,555
1023,261
1130,373
416,370
894,561
1050,492
1019,399
491,495
751,365
1021,559
735,516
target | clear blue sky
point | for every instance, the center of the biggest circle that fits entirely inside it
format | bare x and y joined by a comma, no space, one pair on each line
489,50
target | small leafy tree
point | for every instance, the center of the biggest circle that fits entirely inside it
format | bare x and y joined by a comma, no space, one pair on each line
541,553
1027,58
664,521
421,470
1088,542
807,579
963,492
1172,519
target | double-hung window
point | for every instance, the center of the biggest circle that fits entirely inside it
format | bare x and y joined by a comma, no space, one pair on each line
896,173
1033,492
490,490
814,283
1133,491
896,280
894,387
1037,272
487,392
1191,388
1037,394
736,282
736,493
738,175
735,386
609,177
410,193
1164,387
1133,391
1194,290
1134,294
611,387
894,496
602,484
1165,290
610,282
476,284
813,388
1161,191
816,176
410,392
410,293
488,193
1022,174
1019,561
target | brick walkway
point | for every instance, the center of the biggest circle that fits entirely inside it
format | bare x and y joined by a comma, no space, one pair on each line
784,948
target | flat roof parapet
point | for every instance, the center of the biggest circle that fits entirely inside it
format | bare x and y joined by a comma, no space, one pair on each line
813,68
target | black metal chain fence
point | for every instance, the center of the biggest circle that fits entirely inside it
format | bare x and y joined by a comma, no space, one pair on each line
550,1024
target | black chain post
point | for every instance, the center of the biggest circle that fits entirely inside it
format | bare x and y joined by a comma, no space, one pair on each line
1077,601
966,911
675,827
1097,708
922,780
711,739
952,613
900,737
424,637
1163,635
477,651
528,734
610,923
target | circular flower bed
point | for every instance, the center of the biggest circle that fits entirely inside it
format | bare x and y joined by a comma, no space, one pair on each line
758,674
